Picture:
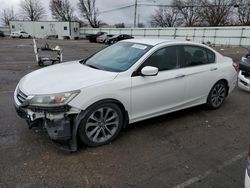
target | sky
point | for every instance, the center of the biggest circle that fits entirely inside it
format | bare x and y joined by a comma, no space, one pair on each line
125,15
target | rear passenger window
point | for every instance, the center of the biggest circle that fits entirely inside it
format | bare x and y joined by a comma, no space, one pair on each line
164,59
195,55
211,56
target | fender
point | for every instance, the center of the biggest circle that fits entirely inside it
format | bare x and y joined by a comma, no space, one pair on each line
73,144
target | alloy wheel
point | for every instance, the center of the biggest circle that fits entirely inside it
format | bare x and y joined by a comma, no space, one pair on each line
218,95
102,124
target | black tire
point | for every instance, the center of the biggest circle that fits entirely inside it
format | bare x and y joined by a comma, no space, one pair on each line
21,37
84,130
40,63
29,37
217,95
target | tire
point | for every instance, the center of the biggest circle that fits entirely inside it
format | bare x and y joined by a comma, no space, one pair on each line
29,37
217,95
40,63
101,124
20,36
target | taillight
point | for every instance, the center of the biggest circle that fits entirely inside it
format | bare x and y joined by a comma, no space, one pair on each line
236,67
248,162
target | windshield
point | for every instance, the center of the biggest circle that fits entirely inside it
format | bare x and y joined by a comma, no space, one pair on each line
118,57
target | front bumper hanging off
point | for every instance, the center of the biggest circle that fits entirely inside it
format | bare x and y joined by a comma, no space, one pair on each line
60,123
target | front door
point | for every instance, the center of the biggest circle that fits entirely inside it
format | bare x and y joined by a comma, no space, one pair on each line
156,95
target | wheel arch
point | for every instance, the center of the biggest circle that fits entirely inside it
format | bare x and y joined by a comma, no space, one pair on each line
77,120
226,82
118,103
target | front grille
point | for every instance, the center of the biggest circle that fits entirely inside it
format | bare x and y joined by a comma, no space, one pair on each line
21,97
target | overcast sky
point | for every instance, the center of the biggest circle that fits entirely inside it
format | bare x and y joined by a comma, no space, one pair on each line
125,15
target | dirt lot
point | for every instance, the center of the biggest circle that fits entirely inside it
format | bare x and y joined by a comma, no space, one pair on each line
191,148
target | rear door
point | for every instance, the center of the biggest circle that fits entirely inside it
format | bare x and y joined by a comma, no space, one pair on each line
201,72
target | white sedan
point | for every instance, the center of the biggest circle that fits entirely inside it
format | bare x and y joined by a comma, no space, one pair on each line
133,80
20,34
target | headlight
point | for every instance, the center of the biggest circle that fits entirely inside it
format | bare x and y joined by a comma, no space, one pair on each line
59,99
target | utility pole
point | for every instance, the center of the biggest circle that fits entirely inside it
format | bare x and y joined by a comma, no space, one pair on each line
135,16
138,20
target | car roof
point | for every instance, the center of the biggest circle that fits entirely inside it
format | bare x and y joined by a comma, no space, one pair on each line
156,41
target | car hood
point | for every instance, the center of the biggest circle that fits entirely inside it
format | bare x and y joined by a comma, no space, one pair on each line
62,78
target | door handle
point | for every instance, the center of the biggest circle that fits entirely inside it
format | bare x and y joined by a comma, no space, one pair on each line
214,69
180,76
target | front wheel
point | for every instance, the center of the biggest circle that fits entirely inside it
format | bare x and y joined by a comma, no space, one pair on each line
217,95
101,124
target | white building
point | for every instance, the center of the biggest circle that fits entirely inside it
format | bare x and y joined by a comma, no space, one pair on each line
42,29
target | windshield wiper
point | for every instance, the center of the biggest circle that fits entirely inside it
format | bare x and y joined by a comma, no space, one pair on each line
92,66
82,61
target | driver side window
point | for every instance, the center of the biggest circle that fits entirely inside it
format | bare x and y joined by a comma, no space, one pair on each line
164,59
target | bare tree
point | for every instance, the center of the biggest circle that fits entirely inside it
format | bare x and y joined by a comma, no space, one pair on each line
164,17
62,10
141,25
189,10
120,25
7,15
89,11
32,10
243,12
217,12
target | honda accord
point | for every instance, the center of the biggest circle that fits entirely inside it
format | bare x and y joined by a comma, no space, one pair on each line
91,100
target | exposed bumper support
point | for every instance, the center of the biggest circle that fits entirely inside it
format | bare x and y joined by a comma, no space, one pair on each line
59,125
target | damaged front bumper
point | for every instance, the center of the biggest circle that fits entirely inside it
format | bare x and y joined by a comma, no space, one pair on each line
244,81
58,121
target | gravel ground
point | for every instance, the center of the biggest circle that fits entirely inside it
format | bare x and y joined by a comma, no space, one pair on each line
191,148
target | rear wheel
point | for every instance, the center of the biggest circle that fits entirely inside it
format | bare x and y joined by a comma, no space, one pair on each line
21,37
217,95
101,124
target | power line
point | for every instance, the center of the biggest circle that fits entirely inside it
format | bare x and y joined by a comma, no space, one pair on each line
116,9
190,6
172,6
161,5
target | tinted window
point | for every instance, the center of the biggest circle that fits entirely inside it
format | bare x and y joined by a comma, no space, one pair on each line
195,55
211,56
65,28
42,27
164,59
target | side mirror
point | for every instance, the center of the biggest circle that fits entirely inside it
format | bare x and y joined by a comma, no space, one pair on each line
149,71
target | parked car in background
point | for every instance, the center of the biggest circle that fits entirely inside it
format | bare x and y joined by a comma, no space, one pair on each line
2,34
92,37
244,73
247,173
117,38
136,79
20,34
103,38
